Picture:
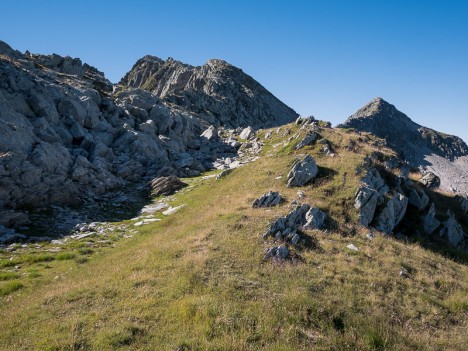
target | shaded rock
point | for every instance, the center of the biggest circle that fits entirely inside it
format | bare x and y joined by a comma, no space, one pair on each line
10,218
418,199
392,214
302,172
269,199
430,223
452,231
166,185
315,219
463,202
309,139
366,201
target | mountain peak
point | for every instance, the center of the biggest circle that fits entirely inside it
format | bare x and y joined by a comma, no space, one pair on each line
217,92
409,138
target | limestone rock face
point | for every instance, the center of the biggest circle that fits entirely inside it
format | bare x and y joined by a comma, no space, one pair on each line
302,172
216,92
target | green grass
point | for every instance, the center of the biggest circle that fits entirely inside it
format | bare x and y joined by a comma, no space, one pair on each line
10,287
197,280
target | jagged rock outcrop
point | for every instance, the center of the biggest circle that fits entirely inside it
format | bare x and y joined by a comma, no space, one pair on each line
302,172
370,194
272,198
445,156
216,92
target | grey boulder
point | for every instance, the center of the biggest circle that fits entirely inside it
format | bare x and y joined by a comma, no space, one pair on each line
302,172
315,219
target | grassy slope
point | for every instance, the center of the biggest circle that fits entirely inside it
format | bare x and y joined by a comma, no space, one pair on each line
196,280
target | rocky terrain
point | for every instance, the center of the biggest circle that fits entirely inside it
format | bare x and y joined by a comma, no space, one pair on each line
444,155
67,134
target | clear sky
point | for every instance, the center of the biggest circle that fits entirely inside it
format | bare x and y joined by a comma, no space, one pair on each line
326,58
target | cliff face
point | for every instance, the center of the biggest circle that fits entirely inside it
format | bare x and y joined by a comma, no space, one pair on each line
216,92
439,153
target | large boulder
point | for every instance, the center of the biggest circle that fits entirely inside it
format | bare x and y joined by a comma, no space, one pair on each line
247,133
315,219
302,172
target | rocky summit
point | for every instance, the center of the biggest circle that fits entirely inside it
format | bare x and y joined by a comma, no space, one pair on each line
216,92
444,155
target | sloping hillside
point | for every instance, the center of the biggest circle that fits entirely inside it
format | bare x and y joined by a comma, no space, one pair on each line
198,280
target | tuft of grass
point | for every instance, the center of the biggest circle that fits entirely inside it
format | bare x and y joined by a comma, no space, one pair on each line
8,275
35,258
10,287
64,256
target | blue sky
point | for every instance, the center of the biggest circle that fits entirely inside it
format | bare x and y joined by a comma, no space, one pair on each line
326,58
